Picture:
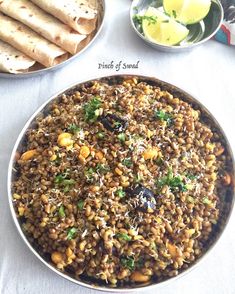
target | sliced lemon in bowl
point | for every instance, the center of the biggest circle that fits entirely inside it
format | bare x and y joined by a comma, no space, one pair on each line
187,11
164,30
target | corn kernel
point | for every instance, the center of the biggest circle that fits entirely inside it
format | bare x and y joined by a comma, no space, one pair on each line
151,153
85,151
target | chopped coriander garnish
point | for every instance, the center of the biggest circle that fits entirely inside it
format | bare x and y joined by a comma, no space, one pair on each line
140,18
123,236
90,109
120,193
100,135
63,181
207,201
102,168
174,182
128,262
121,137
60,178
163,116
127,162
174,13
73,128
71,233
89,174
61,211
80,204
191,177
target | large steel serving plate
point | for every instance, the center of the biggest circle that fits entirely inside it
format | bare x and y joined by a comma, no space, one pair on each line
100,22
227,200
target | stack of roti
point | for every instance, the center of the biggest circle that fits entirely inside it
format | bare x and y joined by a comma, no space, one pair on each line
43,31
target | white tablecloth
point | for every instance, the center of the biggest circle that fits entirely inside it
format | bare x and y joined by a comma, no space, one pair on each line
208,72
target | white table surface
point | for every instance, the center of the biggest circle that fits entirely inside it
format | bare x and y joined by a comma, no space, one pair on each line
208,72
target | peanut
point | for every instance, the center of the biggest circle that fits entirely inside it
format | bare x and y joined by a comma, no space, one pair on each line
57,257
28,154
139,277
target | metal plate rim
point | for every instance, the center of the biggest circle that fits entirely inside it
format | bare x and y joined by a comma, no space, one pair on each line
67,277
64,63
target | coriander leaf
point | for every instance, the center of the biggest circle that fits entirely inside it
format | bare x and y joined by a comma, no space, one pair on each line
121,137
90,109
102,168
61,211
120,193
71,233
174,13
62,180
140,18
128,262
191,177
123,236
174,182
127,162
163,116
80,204
73,128
89,174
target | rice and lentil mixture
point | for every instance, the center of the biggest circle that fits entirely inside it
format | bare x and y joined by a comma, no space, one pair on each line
119,182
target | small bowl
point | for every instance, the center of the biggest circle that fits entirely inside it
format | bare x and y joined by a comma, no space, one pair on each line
199,33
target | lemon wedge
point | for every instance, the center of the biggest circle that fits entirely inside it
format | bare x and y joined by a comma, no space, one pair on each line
164,30
187,11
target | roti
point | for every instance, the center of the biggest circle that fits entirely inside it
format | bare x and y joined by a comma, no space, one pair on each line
44,24
12,60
